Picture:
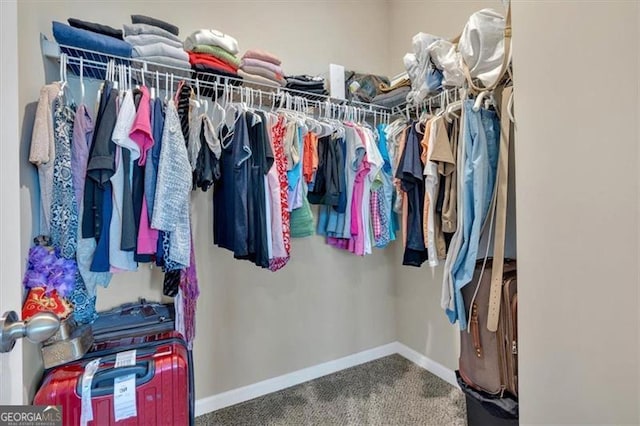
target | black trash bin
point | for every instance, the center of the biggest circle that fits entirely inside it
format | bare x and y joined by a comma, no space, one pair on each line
484,409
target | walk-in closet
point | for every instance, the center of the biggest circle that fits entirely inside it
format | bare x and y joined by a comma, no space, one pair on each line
387,212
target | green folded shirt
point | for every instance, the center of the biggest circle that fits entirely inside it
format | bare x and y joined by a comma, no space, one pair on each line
219,53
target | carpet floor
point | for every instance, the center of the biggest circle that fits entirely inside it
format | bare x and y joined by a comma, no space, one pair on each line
387,391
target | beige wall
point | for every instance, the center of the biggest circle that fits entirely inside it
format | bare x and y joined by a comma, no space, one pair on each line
576,81
420,322
252,324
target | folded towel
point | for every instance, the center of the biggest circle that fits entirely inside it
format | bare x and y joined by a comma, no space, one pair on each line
263,72
392,98
83,39
259,79
212,38
262,55
313,84
314,91
164,64
203,58
137,29
160,49
389,88
142,19
146,39
204,72
250,62
96,28
305,89
310,94
306,78
218,52
165,60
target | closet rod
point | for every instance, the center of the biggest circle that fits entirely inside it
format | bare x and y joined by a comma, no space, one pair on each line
95,66
438,100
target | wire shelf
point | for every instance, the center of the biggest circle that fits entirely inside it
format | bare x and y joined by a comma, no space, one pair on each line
94,66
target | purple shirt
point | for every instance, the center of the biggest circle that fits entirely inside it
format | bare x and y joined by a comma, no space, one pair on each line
82,135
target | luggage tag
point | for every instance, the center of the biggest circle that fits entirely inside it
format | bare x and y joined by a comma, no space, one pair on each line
86,413
124,388
124,397
125,358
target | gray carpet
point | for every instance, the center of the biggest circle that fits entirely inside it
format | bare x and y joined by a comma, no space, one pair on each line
388,391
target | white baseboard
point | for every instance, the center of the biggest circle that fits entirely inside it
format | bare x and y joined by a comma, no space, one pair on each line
245,393
428,364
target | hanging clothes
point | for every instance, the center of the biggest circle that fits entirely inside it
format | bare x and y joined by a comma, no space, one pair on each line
98,203
122,235
481,133
142,134
82,135
280,211
42,151
409,173
259,163
171,205
64,209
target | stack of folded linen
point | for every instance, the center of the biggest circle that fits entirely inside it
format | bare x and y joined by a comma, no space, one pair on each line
213,52
261,67
96,28
85,40
313,86
393,95
156,41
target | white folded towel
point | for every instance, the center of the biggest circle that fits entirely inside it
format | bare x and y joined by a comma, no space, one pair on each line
212,38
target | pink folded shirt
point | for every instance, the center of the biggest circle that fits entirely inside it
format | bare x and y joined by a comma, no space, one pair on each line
250,62
262,55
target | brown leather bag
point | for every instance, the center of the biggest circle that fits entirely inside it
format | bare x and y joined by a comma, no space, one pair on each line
489,360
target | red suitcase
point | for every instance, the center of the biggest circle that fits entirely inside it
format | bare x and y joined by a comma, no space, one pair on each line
162,383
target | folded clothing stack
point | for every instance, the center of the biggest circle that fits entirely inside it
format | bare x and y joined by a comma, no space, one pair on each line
96,28
213,52
258,66
89,40
156,41
393,95
313,86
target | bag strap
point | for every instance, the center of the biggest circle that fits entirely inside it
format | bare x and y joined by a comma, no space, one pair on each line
502,179
505,60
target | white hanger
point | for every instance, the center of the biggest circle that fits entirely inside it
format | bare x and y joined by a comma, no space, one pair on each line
215,90
205,102
478,103
510,109
82,90
156,87
166,87
114,73
197,100
172,93
118,79
125,80
63,73
142,75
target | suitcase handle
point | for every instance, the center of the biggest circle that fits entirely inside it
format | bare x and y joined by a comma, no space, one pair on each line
102,383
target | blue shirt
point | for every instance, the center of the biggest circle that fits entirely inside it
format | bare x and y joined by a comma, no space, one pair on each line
481,134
